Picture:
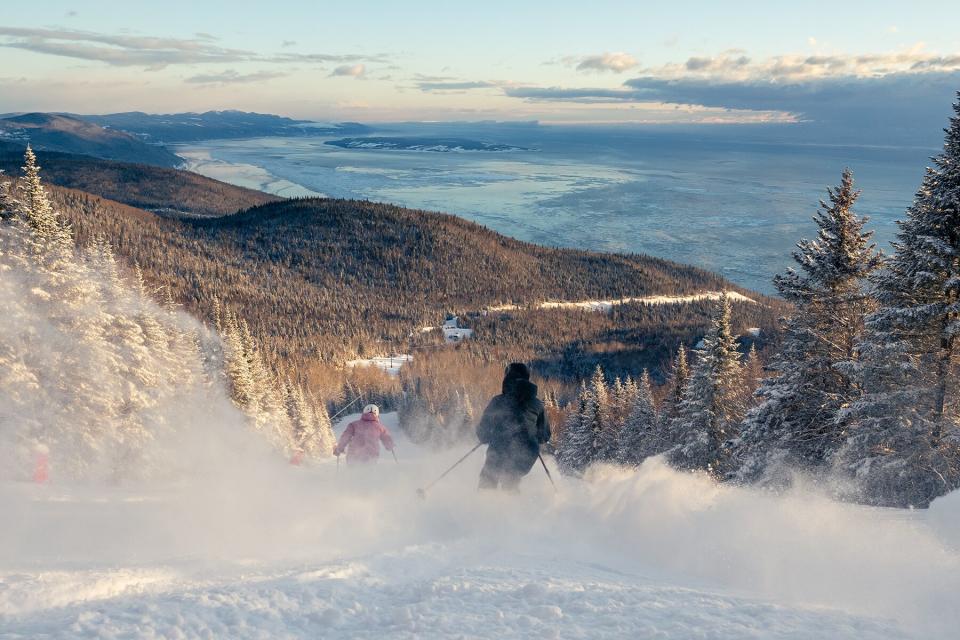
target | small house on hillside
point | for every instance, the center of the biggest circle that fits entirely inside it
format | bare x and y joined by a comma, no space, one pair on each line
453,332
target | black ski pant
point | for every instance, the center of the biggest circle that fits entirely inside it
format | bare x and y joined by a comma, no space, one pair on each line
505,470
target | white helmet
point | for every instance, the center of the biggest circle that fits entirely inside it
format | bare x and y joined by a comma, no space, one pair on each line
372,408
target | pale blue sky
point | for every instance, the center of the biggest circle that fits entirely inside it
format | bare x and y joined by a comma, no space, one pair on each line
553,61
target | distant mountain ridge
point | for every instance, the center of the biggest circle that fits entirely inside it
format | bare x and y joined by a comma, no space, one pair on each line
141,138
70,134
210,125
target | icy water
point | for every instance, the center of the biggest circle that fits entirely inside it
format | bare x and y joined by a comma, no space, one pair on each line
733,200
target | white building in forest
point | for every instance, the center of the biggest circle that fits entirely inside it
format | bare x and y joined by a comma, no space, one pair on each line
453,332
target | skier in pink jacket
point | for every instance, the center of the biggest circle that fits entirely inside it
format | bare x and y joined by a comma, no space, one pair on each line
361,439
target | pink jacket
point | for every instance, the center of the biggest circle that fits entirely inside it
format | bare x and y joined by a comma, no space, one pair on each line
361,439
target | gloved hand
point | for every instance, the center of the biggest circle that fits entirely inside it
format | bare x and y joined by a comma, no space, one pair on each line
336,451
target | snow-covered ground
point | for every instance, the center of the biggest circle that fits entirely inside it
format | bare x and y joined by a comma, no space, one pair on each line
389,364
247,546
607,305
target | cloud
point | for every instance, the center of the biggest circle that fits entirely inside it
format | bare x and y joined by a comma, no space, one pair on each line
322,58
348,70
419,77
582,95
151,52
615,62
233,77
938,62
734,65
716,64
120,50
459,85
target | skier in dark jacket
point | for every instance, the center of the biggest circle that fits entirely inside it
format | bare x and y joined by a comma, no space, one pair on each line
514,425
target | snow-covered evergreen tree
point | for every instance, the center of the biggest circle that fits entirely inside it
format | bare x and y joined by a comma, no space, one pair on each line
301,419
612,420
91,368
9,205
795,423
641,436
903,432
49,232
76,369
598,419
712,405
678,380
324,440
236,364
752,373
573,450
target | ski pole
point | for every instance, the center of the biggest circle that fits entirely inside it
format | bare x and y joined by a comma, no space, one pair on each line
422,493
550,477
394,456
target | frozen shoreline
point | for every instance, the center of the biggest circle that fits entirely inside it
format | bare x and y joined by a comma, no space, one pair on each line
199,159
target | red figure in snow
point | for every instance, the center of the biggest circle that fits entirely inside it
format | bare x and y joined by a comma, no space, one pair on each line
41,464
361,439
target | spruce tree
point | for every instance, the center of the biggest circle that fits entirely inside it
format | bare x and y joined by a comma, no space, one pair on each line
598,418
301,421
712,406
48,231
640,437
612,422
236,366
678,381
324,438
8,204
752,373
903,432
574,447
795,423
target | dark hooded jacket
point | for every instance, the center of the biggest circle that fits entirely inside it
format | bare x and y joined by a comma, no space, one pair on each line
514,425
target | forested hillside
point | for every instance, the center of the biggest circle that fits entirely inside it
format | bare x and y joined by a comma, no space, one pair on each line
167,191
326,280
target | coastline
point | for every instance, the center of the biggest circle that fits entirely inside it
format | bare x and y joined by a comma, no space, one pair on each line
199,159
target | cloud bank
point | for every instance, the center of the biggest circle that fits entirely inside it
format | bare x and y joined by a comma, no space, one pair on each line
151,52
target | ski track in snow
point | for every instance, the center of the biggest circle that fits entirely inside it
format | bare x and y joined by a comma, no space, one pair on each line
390,365
260,549
606,305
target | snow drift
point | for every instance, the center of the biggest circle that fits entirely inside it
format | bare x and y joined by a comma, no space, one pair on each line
244,524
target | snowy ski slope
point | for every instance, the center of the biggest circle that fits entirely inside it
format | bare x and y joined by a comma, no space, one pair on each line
248,546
